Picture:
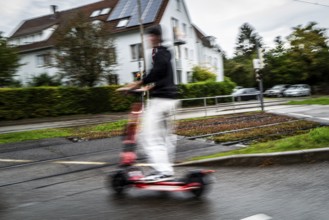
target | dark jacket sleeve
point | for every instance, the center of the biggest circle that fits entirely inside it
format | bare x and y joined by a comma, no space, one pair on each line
158,73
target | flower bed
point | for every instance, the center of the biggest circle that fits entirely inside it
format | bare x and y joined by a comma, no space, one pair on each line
228,123
267,133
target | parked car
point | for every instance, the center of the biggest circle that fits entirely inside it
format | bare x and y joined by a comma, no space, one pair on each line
276,90
298,90
245,94
237,88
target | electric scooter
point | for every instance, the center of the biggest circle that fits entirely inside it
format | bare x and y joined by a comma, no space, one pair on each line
130,174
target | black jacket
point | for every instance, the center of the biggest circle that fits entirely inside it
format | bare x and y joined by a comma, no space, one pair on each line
162,75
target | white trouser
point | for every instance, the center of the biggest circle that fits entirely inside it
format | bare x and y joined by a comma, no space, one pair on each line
156,134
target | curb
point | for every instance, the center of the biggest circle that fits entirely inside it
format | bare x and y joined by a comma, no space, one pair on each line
265,159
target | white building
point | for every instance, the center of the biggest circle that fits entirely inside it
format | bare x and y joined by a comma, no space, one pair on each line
190,47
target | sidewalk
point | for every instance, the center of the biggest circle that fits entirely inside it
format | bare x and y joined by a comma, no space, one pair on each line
302,156
58,122
89,119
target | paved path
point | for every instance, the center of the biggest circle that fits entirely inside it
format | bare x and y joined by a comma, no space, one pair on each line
310,112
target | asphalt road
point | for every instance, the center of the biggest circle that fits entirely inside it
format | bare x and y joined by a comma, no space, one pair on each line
298,192
66,180
57,179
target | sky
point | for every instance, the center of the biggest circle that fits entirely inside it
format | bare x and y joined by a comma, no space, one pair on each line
219,18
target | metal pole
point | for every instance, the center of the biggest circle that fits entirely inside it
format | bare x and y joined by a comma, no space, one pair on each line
261,94
260,80
141,30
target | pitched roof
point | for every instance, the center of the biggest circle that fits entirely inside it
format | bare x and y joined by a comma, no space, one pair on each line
206,40
36,25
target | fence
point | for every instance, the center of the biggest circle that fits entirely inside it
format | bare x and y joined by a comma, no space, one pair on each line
214,105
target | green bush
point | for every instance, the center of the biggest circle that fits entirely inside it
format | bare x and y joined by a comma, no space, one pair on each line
201,74
205,89
36,102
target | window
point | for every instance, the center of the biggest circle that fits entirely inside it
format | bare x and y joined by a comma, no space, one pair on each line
189,77
179,76
123,22
113,79
99,12
174,22
105,11
186,53
112,55
184,29
178,5
136,51
215,62
43,59
177,53
191,55
95,13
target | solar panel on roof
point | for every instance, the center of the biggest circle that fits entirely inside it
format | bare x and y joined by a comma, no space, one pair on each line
152,11
129,8
117,10
135,15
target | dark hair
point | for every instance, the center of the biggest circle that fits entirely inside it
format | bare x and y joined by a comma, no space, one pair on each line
155,30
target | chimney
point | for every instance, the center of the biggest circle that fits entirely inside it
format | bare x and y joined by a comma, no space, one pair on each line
54,11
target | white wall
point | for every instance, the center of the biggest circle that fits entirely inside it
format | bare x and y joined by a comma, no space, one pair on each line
31,68
125,65
196,51
190,38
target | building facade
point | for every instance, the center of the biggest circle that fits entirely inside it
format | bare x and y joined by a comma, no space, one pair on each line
190,47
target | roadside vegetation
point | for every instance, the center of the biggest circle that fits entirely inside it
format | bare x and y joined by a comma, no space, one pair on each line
316,138
323,100
74,134
261,132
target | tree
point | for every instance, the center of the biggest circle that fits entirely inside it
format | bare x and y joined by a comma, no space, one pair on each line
240,71
86,52
9,62
248,41
240,67
310,52
305,60
277,68
200,74
44,80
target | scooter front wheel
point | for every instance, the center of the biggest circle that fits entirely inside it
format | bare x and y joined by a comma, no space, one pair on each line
118,182
199,190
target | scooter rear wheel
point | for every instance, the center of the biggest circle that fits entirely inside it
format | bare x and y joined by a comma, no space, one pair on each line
118,182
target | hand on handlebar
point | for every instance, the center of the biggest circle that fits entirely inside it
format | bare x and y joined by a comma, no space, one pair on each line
135,86
130,86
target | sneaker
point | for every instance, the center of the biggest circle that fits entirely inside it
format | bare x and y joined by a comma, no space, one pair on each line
153,178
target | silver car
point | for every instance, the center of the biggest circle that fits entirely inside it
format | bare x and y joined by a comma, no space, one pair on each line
245,94
298,90
276,90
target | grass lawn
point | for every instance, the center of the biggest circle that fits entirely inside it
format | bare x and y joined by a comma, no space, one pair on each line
83,132
324,100
316,138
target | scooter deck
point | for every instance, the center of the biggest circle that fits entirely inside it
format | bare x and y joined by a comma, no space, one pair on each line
167,186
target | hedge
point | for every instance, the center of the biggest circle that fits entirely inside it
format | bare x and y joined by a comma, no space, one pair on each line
36,102
205,89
